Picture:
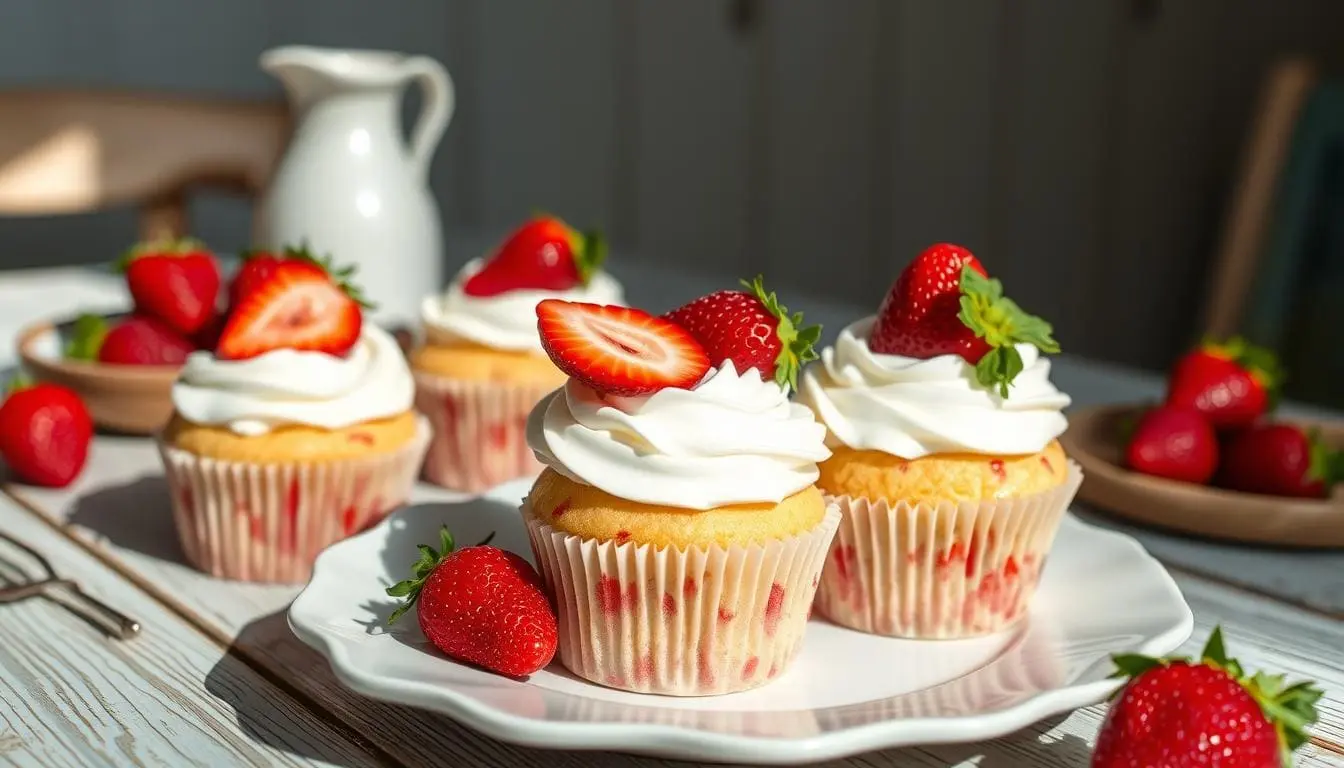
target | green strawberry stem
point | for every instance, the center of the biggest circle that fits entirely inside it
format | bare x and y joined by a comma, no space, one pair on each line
423,567
342,276
179,246
1002,324
18,381
1260,362
1326,464
1289,708
590,254
86,337
796,341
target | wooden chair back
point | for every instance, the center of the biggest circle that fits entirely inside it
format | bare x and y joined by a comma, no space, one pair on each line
80,151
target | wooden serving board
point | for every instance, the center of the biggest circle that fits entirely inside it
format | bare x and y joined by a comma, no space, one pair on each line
1094,441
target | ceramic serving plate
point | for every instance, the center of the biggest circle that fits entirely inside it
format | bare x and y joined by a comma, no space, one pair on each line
846,693
1094,441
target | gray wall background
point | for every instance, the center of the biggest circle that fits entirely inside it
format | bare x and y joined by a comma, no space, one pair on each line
1083,148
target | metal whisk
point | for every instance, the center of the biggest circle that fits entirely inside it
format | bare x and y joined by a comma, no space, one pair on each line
51,586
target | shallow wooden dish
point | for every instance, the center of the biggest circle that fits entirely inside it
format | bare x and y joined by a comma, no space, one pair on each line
132,399
1093,441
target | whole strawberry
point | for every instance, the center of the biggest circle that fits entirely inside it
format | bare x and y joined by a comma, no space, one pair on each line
1280,460
752,329
1174,443
136,340
481,605
175,281
1175,713
944,303
45,432
1232,384
543,254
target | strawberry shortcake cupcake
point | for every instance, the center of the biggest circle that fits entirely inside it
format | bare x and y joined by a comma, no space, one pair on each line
677,522
294,431
943,424
481,367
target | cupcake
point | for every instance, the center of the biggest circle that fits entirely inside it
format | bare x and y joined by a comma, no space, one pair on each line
481,367
677,523
295,431
943,423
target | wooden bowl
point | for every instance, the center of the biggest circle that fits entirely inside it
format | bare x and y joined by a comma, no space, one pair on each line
1093,440
132,399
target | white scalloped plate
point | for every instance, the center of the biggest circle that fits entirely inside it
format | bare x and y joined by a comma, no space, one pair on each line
846,693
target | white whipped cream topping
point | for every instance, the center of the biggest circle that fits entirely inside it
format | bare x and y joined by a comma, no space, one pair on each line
912,408
508,320
286,386
732,439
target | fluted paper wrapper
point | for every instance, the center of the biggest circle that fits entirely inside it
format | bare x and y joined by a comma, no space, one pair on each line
678,622
480,431
940,571
268,522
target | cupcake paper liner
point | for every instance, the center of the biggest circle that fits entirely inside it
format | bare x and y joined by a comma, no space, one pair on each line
939,571
691,622
267,522
480,431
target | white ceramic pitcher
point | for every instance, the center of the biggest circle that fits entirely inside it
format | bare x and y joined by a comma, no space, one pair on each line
349,185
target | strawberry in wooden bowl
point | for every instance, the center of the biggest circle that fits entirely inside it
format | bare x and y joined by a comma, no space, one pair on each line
122,365
1213,459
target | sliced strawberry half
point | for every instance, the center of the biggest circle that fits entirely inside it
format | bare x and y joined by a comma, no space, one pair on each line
619,350
296,306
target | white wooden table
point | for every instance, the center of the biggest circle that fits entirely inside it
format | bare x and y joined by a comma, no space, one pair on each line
217,678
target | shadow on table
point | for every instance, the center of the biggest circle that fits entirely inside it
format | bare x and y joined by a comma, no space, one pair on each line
106,511
391,730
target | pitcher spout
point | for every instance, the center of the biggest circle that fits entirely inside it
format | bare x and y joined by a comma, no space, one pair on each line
309,73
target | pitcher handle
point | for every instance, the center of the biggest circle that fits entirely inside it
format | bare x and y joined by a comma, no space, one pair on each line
435,111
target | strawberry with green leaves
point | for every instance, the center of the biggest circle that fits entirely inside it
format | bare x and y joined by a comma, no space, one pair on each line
174,281
751,328
481,605
544,254
1232,384
134,340
1280,460
1206,713
944,303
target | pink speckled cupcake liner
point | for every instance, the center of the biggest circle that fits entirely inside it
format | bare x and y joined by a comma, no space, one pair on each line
480,431
942,571
678,622
268,522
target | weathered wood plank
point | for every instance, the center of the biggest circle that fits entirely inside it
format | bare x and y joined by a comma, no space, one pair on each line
815,190
545,126
938,118
1052,71
71,697
692,134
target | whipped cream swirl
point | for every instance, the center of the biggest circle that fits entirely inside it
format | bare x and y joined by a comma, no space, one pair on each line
911,408
732,439
508,320
287,386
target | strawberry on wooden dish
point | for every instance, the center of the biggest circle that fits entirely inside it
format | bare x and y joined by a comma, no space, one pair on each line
295,429
673,448
123,364
481,367
939,409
